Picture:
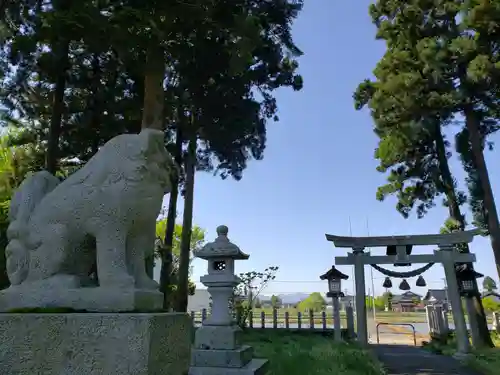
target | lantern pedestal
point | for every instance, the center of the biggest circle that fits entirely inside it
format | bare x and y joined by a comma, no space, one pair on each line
217,345
336,316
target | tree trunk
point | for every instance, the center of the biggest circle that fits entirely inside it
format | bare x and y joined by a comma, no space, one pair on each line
95,103
472,123
51,159
166,254
154,95
187,223
474,305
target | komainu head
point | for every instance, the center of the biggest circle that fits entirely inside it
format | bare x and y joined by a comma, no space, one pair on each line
133,157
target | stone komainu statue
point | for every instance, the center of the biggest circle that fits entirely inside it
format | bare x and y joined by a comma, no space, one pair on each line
104,212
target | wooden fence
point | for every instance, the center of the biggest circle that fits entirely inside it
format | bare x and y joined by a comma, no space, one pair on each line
310,320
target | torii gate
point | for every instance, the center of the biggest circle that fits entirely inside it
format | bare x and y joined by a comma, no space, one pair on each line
446,254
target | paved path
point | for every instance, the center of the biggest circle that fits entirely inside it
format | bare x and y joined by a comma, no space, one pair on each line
410,360
394,334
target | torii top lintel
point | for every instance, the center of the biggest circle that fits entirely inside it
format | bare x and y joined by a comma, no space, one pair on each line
416,240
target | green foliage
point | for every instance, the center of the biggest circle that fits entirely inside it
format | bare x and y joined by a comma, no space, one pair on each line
491,305
378,302
489,284
415,94
15,163
196,243
246,293
197,238
314,302
275,302
214,55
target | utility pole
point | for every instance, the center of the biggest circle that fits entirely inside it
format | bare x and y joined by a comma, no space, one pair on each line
352,272
371,275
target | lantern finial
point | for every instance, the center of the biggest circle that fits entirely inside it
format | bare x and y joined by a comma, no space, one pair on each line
222,230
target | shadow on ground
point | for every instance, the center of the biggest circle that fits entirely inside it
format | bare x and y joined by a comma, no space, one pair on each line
411,360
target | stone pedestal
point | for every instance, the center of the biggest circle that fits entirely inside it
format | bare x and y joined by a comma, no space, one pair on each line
95,344
99,299
218,351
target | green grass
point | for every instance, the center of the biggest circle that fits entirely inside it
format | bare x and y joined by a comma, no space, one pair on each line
307,353
484,361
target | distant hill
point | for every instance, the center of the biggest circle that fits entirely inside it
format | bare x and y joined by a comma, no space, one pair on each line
286,298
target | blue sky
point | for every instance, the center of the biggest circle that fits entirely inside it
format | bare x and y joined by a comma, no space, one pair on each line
318,169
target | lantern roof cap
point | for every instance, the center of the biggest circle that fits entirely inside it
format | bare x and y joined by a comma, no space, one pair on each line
465,271
221,247
333,273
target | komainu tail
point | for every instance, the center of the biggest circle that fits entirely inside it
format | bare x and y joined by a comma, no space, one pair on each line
23,203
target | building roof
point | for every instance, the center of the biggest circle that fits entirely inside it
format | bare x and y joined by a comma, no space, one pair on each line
407,296
437,294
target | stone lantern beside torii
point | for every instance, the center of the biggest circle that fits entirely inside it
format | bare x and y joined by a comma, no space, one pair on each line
334,278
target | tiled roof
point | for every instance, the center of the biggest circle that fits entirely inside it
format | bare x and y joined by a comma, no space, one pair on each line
438,294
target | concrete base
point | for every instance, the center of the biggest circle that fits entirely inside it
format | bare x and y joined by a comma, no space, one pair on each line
222,358
218,351
254,367
99,299
218,337
95,344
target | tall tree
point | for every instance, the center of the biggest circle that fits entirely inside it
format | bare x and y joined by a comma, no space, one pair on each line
246,48
477,68
411,103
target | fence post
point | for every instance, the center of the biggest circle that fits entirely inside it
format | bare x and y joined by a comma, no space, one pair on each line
203,315
250,318
262,319
287,320
323,319
299,320
275,318
311,319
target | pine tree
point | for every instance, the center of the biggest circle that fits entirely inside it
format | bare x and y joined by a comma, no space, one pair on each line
412,100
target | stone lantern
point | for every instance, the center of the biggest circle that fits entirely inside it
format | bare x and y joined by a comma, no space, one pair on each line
217,348
334,278
466,277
